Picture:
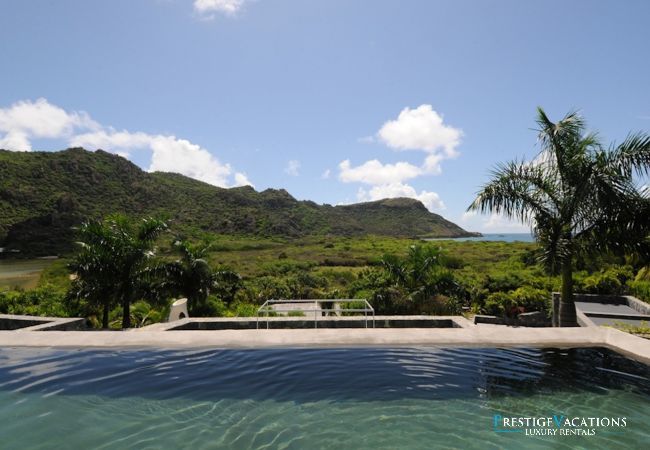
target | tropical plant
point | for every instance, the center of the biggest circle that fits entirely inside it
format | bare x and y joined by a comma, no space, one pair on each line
578,196
420,274
113,266
191,276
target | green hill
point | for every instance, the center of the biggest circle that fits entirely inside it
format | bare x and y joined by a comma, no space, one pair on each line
44,194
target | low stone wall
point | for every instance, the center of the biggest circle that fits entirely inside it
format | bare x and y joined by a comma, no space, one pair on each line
640,306
11,322
307,323
531,319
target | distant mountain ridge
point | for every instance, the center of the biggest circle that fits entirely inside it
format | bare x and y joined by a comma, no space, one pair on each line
43,194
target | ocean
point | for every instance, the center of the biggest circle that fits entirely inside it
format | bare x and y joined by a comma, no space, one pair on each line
505,237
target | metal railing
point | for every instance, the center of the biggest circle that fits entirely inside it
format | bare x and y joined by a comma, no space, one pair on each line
275,306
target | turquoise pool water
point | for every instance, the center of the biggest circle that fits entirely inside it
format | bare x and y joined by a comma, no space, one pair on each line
316,398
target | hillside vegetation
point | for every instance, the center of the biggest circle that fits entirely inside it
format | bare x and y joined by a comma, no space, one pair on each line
44,194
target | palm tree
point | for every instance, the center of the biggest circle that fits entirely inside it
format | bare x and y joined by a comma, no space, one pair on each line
420,273
578,196
113,264
93,268
191,276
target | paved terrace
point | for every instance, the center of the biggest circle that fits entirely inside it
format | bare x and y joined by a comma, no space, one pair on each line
476,336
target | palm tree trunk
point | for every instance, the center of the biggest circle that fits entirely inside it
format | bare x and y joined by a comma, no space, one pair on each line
105,316
126,314
567,305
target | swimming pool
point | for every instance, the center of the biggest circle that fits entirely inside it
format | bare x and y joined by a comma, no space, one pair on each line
356,398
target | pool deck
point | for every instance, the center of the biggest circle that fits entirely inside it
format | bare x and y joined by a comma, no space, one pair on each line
476,336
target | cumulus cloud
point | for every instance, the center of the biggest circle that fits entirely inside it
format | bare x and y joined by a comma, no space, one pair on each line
179,155
326,174
16,141
467,216
374,172
492,223
26,120
293,168
207,8
431,200
499,222
169,153
242,180
422,129
419,129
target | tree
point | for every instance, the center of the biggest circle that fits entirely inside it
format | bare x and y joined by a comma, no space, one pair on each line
112,267
192,277
578,196
421,274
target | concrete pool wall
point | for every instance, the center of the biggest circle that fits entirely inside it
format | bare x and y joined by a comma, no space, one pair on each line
37,323
610,310
307,322
474,336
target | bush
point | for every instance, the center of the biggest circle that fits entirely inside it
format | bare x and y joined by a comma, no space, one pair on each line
503,282
44,301
532,299
244,310
513,303
610,281
441,305
640,289
498,304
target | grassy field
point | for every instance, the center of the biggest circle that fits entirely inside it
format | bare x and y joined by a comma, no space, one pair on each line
493,277
22,273
340,260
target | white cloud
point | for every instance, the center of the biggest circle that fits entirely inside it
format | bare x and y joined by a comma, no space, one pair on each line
498,222
293,168
326,174
181,156
375,173
431,200
242,180
112,140
467,216
16,141
493,223
206,8
169,153
26,120
422,129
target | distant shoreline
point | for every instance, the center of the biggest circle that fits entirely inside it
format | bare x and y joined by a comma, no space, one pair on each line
494,237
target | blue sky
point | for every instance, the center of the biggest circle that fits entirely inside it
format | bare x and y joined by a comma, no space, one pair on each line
335,101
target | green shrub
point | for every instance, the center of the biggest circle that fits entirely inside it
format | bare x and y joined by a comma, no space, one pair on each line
244,310
498,304
43,301
503,282
609,281
640,289
532,299
643,274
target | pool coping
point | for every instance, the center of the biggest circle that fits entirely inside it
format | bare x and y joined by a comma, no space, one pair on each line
458,321
479,336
